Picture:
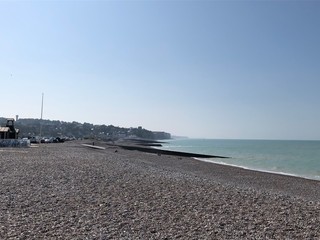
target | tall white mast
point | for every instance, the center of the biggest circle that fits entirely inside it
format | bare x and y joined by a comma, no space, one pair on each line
42,106
41,116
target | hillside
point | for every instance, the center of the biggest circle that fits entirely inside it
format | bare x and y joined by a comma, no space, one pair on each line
31,127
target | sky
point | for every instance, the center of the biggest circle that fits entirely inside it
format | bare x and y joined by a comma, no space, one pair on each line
202,69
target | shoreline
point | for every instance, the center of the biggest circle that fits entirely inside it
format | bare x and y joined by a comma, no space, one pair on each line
149,148
294,186
258,170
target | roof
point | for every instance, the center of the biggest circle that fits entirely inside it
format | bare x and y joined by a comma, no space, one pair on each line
7,129
4,129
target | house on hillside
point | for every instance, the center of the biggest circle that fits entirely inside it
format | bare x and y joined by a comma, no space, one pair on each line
9,131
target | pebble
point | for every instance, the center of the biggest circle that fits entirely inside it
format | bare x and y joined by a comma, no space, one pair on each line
65,191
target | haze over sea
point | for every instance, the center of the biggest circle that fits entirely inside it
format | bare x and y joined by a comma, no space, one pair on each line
289,157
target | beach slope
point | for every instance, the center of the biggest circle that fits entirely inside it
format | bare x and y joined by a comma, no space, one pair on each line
68,191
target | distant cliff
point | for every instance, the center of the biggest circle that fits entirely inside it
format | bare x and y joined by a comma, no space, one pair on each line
31,127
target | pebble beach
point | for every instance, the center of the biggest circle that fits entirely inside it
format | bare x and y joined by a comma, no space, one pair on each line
68,191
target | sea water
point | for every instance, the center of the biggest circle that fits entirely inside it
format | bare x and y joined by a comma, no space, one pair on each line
298,158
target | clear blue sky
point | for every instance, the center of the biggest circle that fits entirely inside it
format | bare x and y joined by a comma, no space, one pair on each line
211,69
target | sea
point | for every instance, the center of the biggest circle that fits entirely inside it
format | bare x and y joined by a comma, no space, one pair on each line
287,157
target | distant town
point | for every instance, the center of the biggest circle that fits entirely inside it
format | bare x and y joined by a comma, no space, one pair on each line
48,130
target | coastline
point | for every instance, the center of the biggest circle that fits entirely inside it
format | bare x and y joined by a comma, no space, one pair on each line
257,170
150,146
70,191
236,176
298,158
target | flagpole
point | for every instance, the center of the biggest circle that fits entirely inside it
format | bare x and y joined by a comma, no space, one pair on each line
41,116
42,106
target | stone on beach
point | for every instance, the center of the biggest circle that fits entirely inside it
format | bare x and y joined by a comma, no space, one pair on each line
67,191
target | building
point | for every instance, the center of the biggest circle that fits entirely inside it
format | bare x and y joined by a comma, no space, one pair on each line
9,131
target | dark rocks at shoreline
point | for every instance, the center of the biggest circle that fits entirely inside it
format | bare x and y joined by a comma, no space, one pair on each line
166,152
144,145
140,142
71,192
